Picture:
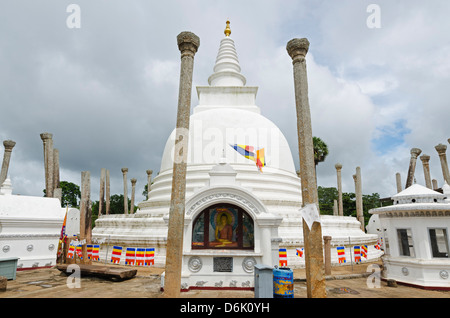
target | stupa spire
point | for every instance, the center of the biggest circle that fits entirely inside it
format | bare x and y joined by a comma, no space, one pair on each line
227,71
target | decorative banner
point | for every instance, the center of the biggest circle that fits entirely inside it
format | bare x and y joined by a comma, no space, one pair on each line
130,256
149,258
300,252
116,254
89,251
377,246
71,251
249,153
140,255
357,253
79,251
341,254
62,235
283,257
96,253
364,251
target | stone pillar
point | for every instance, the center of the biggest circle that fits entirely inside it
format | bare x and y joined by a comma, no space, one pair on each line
125,191
149,182
435,184
335,207
107,194
398,178
426,170
312,238
9,145
415,152
133,191
358,194
443,157
338,167
85,214
102,191
188,44
48,163
57,191
327,249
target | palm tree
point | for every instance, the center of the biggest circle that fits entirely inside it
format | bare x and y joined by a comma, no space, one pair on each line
320,151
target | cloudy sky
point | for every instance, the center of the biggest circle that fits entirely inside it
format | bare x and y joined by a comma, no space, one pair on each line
108,90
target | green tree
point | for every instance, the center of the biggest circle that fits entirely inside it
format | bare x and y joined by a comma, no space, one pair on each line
115,205
70,194
326,199
320,150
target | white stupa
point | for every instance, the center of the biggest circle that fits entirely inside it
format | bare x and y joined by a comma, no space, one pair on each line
217,173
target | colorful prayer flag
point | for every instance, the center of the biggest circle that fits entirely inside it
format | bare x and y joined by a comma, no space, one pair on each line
96,253
71,251
140,255
249,153
341,254
79,251
116,254
130,256
89,251
62,235
149,258
300,252
282,257
364,251
357,253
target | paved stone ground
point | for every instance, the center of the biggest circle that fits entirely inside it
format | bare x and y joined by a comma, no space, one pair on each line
345,282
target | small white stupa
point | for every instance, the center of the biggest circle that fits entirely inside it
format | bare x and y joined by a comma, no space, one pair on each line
30,228
416,237
230,141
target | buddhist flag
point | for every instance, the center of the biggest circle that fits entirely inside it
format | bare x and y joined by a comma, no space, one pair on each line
96,253
300,252
71,251
140,255
341,254
149,258
357,253
62,235
283,257
89,251
79,251
249,153
130,256
116,254
364,251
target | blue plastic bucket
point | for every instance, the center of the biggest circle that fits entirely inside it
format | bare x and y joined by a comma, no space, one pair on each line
283,283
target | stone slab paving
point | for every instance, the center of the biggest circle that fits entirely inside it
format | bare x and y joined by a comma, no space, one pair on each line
345,282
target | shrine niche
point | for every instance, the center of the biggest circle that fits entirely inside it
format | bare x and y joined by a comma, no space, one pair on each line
223,226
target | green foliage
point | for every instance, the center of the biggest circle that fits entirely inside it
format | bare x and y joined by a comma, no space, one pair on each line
328,195
115,205
70,194
320,150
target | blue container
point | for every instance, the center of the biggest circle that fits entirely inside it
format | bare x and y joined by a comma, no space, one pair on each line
283,283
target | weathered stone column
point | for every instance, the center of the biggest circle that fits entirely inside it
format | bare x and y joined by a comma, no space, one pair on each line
57,191
398,179
9,145
335,208
358,194
188,44
443,157
125,191
133,191
426,170
327,249
48,163
435,184
107,194
101,198
338,167
85,213
415,152
315,280
149,182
